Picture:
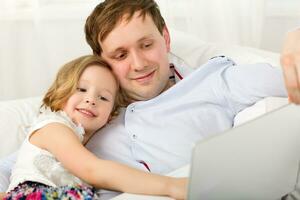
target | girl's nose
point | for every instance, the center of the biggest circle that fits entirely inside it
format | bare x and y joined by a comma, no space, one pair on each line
90,102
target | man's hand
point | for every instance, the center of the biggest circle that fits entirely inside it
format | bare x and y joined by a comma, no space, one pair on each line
290,61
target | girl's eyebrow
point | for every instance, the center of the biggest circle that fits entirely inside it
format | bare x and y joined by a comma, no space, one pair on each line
108,91
83,81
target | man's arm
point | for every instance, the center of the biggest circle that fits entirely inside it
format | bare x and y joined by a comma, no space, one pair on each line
290,62
6,165
244,85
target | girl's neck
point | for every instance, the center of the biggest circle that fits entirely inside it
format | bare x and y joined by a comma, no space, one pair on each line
87,133
87,137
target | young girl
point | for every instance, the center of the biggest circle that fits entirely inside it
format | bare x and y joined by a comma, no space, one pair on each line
53,162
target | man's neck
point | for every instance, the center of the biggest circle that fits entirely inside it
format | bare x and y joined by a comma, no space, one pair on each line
171,82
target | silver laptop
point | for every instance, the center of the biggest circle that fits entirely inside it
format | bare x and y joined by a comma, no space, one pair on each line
258,160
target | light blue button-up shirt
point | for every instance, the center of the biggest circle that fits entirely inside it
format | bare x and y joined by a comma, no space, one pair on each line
162,131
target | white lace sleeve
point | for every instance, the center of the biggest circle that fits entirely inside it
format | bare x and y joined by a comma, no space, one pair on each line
47,116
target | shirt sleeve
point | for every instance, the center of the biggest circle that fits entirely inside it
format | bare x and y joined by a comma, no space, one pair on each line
243,85
6,165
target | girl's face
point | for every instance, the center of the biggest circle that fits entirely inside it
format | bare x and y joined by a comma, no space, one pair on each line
93,101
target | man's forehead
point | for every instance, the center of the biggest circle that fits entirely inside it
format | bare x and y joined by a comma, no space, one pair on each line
127,30
121,21
128,16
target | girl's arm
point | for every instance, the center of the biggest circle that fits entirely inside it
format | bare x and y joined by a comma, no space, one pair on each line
2,194
66,147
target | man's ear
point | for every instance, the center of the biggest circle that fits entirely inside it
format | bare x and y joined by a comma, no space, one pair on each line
166,35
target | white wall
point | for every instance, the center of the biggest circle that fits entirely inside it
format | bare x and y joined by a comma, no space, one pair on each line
281,16
36,41
275,29
38,36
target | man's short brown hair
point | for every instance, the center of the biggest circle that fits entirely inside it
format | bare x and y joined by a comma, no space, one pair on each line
107,14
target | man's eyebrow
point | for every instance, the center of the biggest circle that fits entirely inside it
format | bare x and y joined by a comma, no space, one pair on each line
145,37
120,49
115,51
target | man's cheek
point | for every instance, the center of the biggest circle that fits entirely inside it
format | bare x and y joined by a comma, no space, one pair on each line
120,75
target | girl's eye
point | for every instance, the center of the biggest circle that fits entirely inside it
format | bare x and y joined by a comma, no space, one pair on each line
103,98
81,89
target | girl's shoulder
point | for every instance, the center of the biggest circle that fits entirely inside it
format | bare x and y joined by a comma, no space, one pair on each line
47,116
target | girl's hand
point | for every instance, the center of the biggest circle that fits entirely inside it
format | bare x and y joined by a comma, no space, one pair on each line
177,188
2,195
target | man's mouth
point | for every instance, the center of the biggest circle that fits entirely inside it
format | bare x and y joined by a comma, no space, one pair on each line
145,78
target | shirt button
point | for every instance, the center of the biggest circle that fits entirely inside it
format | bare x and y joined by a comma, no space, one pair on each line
134,136
132,109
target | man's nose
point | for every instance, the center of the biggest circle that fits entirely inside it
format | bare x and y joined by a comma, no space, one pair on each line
138,62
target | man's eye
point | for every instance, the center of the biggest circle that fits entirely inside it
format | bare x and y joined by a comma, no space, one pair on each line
81,89
120,56
145,46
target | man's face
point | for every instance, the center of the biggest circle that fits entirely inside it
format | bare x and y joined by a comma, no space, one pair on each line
138,54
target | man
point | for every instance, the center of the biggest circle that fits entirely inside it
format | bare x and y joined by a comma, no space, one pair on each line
167,110
165,117
290,61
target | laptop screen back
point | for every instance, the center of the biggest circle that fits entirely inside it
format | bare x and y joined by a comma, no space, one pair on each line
257,160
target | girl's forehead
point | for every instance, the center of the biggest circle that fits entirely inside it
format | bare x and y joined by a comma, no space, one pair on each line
99,76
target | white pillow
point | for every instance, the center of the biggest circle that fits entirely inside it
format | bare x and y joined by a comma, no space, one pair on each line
196,52
15,115
259,108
